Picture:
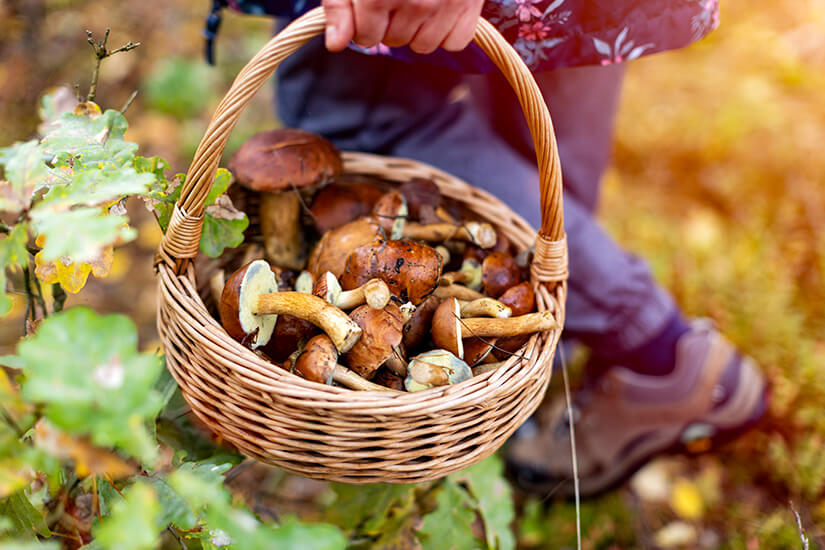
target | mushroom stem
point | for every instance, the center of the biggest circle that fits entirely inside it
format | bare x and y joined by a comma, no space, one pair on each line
481,234
374,293
457,291
501,328
485,307
342,330
469,275
444,252
281,228
347,378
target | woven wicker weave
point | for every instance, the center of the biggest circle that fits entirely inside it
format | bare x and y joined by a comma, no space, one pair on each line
334,433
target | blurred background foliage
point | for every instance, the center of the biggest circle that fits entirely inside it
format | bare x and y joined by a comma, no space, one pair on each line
716,180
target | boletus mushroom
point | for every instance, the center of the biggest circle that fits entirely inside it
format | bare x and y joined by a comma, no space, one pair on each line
331,252
250,305
374,293
435,368
469,275
417,329
278,164
480,234
380,342
449,328
340,203
498,273
391,212
410,269
318,362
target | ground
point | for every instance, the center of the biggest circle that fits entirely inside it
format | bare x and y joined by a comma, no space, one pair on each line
716,180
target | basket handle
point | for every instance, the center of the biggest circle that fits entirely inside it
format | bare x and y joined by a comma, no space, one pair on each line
183,234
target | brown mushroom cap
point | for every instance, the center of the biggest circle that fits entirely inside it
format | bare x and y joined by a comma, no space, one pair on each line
410,269
381,335
420,193
519,298
417,329
291,333
337,204
476,349
254,278
330,254
391,212
446,327
285,159
318,359
498,273
386,377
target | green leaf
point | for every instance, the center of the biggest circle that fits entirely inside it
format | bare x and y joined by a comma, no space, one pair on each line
12,253
366,504
220,184
91,142
25,172
494,500
26,521
449,526
79,234
174,508
134,523
219,234
95,187
86,371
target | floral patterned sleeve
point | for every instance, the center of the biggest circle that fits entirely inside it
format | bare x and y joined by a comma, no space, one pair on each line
549,34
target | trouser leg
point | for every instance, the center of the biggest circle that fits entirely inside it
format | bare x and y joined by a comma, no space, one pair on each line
388,107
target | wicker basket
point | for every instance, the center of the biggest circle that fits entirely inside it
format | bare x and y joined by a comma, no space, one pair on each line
334,433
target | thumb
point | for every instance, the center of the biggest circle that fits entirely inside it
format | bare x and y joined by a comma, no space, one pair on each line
340,24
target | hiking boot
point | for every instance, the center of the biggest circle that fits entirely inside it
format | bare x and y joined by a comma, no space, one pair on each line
622,419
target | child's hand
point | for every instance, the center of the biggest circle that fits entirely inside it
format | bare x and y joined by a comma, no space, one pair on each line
424,25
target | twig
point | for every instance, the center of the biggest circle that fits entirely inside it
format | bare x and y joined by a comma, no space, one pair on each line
102,53
40,299
11,422
802,536
129,102
572,447
59,296
29,302
177,536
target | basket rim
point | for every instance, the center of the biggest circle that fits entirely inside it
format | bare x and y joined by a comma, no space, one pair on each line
268,377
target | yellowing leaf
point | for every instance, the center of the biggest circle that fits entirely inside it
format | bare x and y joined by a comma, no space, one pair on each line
15,474
686,500
87,458
71,275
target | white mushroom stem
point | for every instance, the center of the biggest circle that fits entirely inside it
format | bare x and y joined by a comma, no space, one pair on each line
342,330
469,275
513,326
485,307
304,282
374,293
457,291
347,378
481,234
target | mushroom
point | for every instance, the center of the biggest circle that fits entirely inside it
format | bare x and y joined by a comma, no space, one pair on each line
421,195
290,334
444,252
391,213
338,204
435,368
449,328
519,298
374,293
457,291
250,305
417,329
481,234
386,377
485,307
477,253
318,362
410,269
330,254
469,275
277,164
380,342
304,282
498,273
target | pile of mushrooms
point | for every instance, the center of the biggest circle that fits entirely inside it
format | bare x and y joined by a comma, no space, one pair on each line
399,292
